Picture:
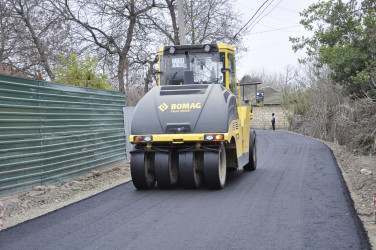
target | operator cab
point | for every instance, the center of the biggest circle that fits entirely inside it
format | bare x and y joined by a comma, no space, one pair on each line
197,64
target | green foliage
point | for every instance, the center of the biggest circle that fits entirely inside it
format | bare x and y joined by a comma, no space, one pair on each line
297,101
74,71
344,38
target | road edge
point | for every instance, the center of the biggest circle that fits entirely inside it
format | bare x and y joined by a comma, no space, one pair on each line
361,228
350,195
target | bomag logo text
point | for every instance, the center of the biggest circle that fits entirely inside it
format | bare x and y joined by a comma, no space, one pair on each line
185,107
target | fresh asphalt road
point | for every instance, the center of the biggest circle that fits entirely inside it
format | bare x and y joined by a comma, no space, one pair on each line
296,199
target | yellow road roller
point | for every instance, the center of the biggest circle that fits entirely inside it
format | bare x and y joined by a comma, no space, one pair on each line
193,127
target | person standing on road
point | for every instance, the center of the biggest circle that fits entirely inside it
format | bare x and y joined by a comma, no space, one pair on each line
273,121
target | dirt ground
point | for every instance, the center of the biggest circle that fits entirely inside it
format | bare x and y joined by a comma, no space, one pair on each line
42,200
359,173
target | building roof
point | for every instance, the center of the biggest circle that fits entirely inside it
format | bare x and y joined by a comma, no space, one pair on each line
6,69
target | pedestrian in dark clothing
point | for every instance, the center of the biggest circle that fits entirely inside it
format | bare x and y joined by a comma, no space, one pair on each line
273,121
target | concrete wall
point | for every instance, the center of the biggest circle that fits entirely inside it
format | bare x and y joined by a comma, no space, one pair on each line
262,117
128,115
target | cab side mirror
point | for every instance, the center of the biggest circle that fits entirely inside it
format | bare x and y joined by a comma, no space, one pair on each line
225,70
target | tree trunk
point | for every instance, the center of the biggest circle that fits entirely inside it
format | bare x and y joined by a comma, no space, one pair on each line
126,79
146,84
149,74
173,20
37,42
121,68
127,46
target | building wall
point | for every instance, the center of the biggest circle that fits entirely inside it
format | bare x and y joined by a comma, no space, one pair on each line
262,117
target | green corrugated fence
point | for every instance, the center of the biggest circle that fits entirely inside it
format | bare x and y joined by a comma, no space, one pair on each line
53,132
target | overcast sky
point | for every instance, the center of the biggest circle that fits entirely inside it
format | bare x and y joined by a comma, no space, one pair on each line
268,48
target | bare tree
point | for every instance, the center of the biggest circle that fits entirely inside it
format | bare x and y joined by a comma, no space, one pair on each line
124,34
207,22
164,20
38,36
110,25
6,24
212,21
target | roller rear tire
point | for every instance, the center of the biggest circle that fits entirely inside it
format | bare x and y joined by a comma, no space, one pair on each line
142,170
252,164
215,168
166,169
190,169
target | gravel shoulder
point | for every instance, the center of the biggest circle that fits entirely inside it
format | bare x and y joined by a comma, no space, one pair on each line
42,200
359,173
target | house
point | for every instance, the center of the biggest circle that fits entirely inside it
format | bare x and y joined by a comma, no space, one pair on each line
7,69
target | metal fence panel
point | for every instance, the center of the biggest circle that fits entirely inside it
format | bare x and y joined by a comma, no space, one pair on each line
53,132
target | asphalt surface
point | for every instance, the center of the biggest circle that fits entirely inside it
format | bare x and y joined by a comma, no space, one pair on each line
296,199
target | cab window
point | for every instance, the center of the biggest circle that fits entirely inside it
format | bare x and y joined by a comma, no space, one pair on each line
204,66
222,58
231,65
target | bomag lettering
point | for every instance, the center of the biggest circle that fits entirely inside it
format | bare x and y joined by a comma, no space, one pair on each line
185,106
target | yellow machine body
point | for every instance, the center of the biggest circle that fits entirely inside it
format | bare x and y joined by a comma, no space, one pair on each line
195,115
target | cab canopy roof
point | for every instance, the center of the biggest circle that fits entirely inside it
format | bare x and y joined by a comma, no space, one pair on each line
195,48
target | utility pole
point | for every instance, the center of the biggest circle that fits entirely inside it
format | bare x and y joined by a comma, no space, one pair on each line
181,22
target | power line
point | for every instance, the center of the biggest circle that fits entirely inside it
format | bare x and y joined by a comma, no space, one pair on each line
260,14
270,46
282,20
273,17
266,14
289,10
250,19
284,28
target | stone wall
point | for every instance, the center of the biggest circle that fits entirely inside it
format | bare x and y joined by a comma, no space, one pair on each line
262,117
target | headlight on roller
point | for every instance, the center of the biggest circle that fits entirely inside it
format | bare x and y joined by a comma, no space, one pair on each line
214,137
147,138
